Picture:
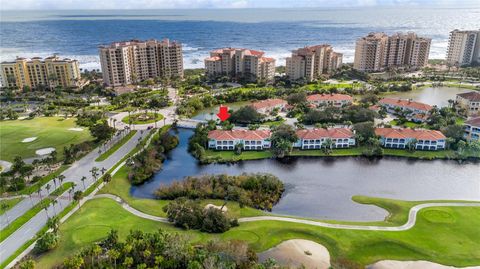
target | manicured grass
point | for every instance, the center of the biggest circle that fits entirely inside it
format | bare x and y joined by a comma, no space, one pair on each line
444,235
136,120
10,203
60,190
115,147
50,132
409,124
230,156
18,222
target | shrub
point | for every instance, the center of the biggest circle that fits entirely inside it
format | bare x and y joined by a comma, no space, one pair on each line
47,242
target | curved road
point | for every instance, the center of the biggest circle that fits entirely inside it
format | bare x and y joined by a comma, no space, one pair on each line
412,216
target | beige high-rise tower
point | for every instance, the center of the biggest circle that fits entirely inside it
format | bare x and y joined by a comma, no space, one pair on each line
463,47
36,72
240,63
132,61
378,52
312,62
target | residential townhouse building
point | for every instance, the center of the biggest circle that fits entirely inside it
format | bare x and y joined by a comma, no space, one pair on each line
228,139
418,111
378,52
268,105
400,138
129,62
36,72
316,138
472,129
311,62
463,47
336,100
470,102
239,63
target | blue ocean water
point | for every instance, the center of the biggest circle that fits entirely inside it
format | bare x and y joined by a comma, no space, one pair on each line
77,34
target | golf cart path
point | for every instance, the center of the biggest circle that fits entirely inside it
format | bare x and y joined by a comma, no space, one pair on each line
412,216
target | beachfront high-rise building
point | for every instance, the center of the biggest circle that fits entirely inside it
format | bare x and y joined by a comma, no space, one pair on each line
240,63
463,47
36,72
132,61
311,62
378,52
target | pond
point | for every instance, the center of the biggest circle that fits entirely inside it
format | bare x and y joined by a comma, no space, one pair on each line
322,187
211,112
438,96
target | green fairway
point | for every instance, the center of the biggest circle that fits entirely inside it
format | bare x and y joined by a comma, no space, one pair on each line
444,235
49,132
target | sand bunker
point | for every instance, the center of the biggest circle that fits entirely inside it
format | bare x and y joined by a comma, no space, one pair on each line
389,264
5,166
44,151
224,209
294,253
76,129
29,139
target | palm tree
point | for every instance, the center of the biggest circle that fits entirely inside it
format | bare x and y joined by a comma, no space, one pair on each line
70,193
39,192
55,182
61,178
48,187
103,170
83,181
46,210
54,202
4,208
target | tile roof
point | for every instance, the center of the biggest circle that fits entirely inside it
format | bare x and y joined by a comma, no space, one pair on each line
471,96
405,103
213,58
318,133
239,134
268,103
473,121
329,97
419,134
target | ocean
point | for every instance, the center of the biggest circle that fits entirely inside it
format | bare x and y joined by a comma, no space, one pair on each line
78,33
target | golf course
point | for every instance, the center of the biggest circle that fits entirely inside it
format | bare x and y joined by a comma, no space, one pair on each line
24,137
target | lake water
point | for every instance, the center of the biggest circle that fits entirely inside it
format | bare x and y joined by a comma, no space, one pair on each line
438,96
77,33
322,187
210,113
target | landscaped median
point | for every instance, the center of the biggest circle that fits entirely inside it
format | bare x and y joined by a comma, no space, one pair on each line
142,118
115,147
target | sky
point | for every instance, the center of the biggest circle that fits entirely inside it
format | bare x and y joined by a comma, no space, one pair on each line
193,4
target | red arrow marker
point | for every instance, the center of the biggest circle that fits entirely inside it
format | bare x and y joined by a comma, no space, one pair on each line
223,113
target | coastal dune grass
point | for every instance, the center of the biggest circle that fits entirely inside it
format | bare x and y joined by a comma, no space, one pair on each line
49,132
443,235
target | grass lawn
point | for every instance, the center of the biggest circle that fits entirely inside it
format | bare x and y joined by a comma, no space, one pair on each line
115,147
444,235
137,118
50,132
10,203
230,156
408,124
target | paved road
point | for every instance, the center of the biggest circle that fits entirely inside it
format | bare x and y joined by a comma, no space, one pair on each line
412,216
73,174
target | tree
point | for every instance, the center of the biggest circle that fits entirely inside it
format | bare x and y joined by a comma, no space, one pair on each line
102,131
246,115
48,187
327,146
297,98
47,242
364,131
74,262
411,145
214,221
77,196
282,138
27,264
53,224
4,206
83,181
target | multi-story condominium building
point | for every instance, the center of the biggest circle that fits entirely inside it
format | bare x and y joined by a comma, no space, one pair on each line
49,72
470,101
311,62
240,63
378,52
472,129
336,100
401,138
463,47
268,105
316,138
228,139
132,61
406,105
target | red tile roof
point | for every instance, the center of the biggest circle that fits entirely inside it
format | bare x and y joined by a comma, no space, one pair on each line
406,133
471,96
473,121
324,133
329,97
268,103
405,103
213,58
239,134
267,59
